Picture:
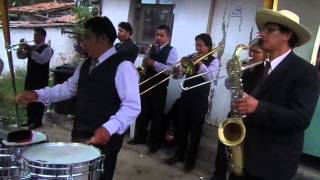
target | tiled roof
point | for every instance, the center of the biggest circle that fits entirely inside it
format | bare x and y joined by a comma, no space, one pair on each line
63,19
41,7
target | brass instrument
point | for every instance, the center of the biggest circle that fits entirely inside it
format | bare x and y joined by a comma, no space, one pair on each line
232,131
141,69
243,68
189,65
186,63
19,45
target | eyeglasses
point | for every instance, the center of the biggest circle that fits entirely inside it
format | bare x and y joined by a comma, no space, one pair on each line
269,29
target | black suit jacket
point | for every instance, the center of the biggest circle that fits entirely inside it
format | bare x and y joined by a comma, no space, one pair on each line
275,132
128,49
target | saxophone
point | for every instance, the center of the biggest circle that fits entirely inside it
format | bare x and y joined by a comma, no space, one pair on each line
232,131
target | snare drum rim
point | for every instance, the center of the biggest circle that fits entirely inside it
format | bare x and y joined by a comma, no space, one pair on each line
42,165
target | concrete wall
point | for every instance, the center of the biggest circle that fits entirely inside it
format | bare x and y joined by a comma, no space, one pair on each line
61,44
116,10
233,23
190,19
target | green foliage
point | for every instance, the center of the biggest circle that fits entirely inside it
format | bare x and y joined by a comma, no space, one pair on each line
83,13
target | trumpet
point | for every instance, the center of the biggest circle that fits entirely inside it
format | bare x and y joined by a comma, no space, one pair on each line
185,63
18,45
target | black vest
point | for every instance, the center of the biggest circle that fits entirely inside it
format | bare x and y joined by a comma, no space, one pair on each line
97,96
200,90
160,57
37,74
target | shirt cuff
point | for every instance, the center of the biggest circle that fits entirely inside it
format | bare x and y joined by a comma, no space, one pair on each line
41,95
112,126
202,68
156,66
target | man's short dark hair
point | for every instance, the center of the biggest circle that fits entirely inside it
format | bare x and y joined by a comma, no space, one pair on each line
165,28
206,38
41,31
126,26
101,26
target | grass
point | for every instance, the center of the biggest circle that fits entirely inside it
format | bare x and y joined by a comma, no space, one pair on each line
7,106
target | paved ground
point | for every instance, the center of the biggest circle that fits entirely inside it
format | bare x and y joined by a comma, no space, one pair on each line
134,163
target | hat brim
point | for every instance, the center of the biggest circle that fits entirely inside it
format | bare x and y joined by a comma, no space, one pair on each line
269,16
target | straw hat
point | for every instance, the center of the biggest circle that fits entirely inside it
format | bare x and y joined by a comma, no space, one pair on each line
285,18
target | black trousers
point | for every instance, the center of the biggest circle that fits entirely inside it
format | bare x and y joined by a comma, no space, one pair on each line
153,104
110,151
191,116
221,162
35,112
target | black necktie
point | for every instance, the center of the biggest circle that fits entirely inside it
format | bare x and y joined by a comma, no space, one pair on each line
266,68
92,65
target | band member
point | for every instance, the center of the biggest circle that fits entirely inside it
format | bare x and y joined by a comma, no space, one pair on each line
193,106
256,54
280,106
126,46
37,73
107,93
161,56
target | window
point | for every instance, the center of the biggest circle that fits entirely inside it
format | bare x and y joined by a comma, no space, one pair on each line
148,17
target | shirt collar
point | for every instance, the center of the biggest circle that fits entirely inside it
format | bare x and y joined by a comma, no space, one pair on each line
163,45
40,44
106,55
275,62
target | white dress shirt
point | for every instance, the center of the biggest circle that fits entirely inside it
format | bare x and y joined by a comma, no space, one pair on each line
127,85
41,58
172,59
275,62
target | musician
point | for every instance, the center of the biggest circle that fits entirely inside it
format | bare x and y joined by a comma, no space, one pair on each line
160,57
126,46
37,76
280,106
256,54
107,93
193,106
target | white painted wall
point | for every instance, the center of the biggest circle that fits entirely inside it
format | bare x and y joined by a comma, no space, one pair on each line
233,23
308,12
116,10
61,44
190,19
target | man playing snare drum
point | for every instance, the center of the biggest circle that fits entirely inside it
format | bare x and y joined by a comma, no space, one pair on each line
107,91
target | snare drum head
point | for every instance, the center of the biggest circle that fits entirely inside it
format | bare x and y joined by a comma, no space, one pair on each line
61,153
37,137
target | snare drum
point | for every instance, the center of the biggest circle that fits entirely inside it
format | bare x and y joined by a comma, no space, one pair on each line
10,155
62,161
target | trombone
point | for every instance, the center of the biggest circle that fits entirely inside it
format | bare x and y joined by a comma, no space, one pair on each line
229,64
187,64
243,68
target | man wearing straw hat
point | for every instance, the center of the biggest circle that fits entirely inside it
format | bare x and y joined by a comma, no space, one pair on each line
280,106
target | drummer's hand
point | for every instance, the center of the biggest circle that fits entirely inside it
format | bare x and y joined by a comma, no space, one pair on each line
27,97
101,137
